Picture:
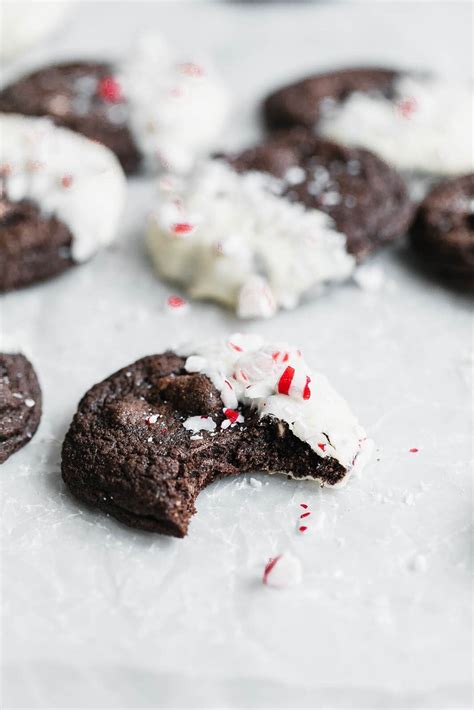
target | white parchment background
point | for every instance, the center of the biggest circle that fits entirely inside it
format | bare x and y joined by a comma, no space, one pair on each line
97,615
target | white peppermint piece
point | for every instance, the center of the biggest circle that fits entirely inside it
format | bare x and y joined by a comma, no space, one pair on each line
283,571
199,423
66,175
275,380
279,251
426,126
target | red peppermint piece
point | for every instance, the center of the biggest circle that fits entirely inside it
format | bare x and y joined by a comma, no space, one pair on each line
182,228
306,389
175,302
191,69
303,505
322,447
407,107
305,515
66,181
413,451
151,419
232,415
268,567
284,383
236,347
303,528
109,90
276,355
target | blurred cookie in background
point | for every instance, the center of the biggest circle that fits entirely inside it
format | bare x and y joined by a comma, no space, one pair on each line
443,231
20,403
61,199
415,122
24,24
263,229
151,109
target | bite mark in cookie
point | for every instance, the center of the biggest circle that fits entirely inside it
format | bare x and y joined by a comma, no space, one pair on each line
414,122
260,230
133,451
149,108
443,231
61,197
20,403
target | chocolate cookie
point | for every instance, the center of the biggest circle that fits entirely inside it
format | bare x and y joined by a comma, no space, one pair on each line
262,229
366,198
304,102
20,403
61,197
443,231
148,107
415,122
81,96
148,439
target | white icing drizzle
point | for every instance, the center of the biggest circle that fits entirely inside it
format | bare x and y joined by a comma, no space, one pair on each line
426,127
248,371
66,175
176,109
232,238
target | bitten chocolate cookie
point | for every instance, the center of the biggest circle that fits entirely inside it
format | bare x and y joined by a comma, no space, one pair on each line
260,230
149,107
61,198
414,122
20,403
443,231
148,439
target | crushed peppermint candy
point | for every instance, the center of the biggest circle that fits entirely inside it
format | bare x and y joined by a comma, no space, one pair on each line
407,107
191,69
182,228
176,304
232,417
414,450
290,385
109,89
199,423
274,380
66,181
30,402
151,419
282,571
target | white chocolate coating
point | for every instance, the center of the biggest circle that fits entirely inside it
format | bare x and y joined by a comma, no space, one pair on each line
24,24
65,175
248,371
426,127
175,109
245,246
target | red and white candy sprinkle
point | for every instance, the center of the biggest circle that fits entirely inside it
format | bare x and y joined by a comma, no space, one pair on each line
232,417
176,304
407,107
66,181
294,383
182,229
109,90
282,571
